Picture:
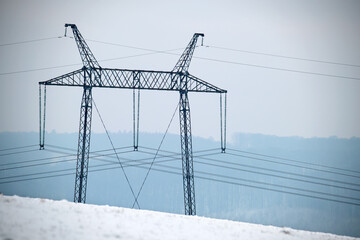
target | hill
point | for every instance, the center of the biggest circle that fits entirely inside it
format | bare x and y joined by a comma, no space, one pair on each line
34,218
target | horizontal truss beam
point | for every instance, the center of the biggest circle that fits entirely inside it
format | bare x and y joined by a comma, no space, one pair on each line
134,79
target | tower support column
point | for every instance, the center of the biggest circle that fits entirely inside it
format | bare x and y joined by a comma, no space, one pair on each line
83,146
187,154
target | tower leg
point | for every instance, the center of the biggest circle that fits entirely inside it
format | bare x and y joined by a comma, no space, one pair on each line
187,155
83,146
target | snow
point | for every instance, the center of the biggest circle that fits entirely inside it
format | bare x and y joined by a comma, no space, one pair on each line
32,218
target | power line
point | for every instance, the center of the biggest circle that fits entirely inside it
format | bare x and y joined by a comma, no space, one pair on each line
283,56
48,158
222,181
273,175
129,163
137,48
217,165
15,148
293,165
230,49
291,160
277,162
278,191
60,161
39,69
279,186
250,65
278,171
29,41
203,58
278,69
20,152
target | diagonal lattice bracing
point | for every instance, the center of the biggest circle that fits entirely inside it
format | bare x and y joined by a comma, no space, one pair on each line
135,79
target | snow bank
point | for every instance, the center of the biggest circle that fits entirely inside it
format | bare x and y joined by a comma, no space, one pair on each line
29,218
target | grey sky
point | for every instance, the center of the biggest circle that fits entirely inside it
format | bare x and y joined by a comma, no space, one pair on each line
259,100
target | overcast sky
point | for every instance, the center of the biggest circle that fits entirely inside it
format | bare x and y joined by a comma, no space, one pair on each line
260,100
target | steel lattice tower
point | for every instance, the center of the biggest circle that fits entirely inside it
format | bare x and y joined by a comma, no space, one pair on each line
91,75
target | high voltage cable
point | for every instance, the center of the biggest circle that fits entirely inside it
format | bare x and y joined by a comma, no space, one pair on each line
264,183
217,165
278,69
274,175
245,156
28,41
39,69
291,160
129,163
211,46
77,64
267,169
283,56
14,148
293,165
223,181
218,175
75,154
232,49
110,149
137,48
250,65
282,163
47,158
60,161
278,191
203,58
223,176
92,157
236,150
20,152
126,177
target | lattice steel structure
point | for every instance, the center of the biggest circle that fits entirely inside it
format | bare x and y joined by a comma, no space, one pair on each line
92,75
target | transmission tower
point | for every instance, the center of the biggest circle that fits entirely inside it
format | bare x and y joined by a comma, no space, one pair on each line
92,75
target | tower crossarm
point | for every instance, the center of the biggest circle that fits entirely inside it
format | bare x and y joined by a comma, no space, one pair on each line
133,79
196,84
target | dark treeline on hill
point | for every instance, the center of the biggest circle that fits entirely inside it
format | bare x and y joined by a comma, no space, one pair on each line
303,172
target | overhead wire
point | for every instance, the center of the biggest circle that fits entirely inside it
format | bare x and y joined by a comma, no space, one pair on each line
281,163
60,161
62,156
208,159
296,161
235,183
29,41
210,46
203,58
283,56
19,152
128,163
277,171
15,148
231,49
293,165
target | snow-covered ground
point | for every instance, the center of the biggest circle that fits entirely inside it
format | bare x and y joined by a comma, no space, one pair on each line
30,218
